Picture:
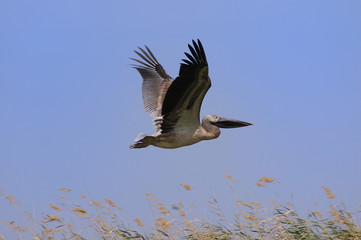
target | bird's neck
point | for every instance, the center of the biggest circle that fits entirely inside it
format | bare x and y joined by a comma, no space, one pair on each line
210,131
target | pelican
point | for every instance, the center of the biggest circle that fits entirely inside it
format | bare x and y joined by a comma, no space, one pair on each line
174,105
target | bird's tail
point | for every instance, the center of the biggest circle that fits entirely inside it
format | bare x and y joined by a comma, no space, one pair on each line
142,141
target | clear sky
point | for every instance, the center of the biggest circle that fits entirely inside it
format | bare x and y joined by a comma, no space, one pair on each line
71,104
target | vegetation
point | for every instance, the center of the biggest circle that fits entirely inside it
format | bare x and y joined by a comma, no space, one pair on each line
252,220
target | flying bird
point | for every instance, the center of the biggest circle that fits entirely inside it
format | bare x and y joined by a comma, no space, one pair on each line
174,104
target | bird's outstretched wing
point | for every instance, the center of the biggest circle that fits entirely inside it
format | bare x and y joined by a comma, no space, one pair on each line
155,84
183,100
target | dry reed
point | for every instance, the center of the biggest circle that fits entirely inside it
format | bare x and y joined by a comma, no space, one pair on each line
251,220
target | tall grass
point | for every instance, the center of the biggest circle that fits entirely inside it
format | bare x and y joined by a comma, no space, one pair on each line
69,219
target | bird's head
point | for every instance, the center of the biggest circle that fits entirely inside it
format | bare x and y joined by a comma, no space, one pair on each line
225,122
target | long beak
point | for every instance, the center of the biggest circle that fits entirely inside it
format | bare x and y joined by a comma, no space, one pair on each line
230,123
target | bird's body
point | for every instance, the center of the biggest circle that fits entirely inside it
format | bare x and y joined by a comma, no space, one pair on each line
183,136
174,105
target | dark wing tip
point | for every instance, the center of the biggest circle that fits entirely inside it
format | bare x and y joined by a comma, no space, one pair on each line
148,62
197,55
201,49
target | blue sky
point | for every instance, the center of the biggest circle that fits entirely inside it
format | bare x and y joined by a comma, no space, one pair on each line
71,104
